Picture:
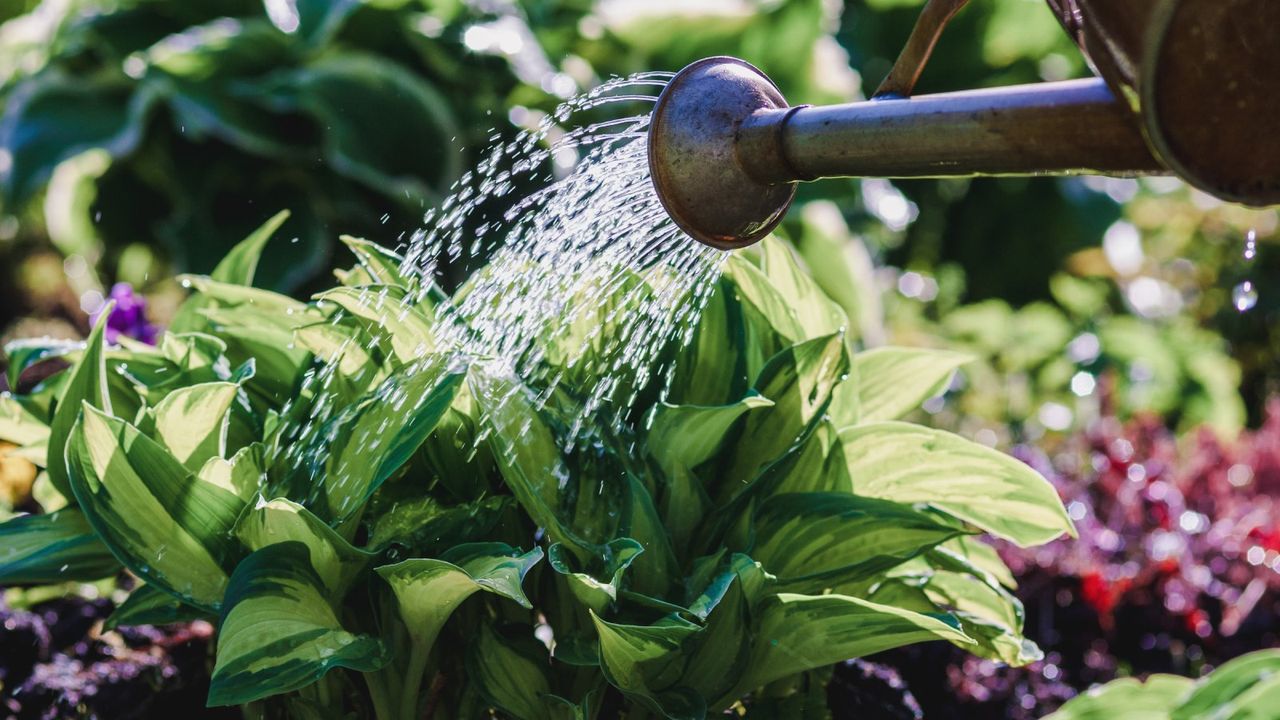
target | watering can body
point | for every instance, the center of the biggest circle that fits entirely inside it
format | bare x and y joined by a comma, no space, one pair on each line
1188,87
1203,79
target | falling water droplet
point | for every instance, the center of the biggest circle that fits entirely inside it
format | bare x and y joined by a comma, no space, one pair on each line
1250,244
1244,296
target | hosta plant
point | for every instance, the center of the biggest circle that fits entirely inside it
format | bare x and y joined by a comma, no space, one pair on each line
1246,687
381,525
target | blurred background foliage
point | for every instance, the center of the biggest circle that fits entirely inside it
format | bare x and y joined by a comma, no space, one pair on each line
139,138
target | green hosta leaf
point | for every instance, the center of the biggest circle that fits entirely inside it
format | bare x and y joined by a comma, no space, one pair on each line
816,314
147,605
52,548
278,631
647,662
527,455
266,339
336,561
990,615
1246,687
809,536
384,432
802,632
657,568
166,524
512,673
192,422
1152,699
243,475
685,436
25,353
87,383
913,464
382,265
893,381
241,264
408,328
972,555
817,466
596,594
335,344
799,381
756,291
18,425
428,590
711,369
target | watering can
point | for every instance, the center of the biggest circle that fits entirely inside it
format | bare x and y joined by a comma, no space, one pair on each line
1185,87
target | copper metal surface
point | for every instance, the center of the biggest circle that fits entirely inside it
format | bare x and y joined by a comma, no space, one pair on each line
693,154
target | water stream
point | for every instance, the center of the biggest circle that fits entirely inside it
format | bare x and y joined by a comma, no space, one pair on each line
586,277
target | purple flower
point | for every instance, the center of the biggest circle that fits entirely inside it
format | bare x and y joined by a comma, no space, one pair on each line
128,317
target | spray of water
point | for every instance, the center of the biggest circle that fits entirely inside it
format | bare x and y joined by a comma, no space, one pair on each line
587,279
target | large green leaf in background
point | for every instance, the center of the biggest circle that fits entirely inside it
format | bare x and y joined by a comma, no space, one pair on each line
52,117
383,126
279,633
52,548
914,464
167,525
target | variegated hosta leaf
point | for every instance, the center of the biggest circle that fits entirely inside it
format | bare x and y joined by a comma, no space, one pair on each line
18,425
335,560
1154,698
801,632
334,343
971,555
166,524
527,455
381,434
799,381
388,308
685,436
192,422
990,615
147,605
808,538
242,475
754,289
279,632
87,384
816,313
512,673
711,369
591,592
427,590
914,464
889,382
677,667
382,265
238,267
1246,687
56,547
648,662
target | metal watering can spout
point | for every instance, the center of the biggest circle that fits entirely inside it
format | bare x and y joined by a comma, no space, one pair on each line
1188,87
